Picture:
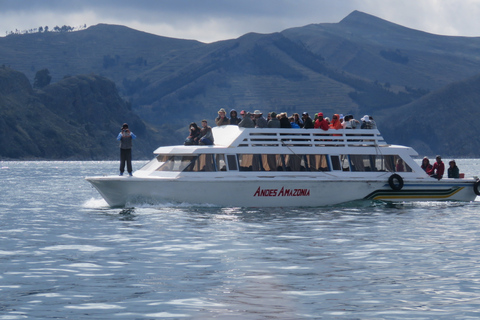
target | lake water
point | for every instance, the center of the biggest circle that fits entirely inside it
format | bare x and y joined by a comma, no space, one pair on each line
65,255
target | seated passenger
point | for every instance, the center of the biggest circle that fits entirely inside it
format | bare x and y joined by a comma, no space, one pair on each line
366,123
234,117
298,121
426,166
260,121
274,122
293,124
222,119
373,124
246,121
453,171
321,123
438,169
307,121
194,135
336,124
350,123
284,123
399,167
206,135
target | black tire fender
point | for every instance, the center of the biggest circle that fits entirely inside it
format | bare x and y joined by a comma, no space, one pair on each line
395,182
476,187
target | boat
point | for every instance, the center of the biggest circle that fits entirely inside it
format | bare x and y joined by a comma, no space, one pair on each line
266,167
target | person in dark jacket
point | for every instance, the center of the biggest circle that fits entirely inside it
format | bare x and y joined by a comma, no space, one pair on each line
284,122
307,121
246,120
260,121
125,137
273,122
222,119
453,171
234,119
206,135
194,134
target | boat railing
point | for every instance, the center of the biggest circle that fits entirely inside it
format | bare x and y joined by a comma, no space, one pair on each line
267,137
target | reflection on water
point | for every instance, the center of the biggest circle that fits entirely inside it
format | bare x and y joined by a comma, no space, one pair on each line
67,255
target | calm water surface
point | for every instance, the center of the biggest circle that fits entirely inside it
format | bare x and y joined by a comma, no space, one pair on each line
65,255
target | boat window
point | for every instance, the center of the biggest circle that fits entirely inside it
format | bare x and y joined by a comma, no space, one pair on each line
220,162
378,163
232,162
335,162
345,162
155,162
203,162
249,162
282,162
365,163
401,166
317,162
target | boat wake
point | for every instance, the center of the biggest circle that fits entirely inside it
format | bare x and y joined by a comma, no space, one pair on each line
95,204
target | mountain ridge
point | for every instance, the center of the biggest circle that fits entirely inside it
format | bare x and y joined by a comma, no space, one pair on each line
360,65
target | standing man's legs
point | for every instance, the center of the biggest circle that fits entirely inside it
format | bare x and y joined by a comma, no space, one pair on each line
122,160
128,158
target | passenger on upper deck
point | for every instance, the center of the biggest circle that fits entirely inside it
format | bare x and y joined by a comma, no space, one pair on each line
293,124
222,119
284,123
274,122
321,123
336,124
194,135
206,135
246,120
426,166
438,169
366,123
260,121
373,124
234,117
350,123
307,121
453,171
297,120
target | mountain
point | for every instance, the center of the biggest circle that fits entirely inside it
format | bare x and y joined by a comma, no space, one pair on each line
440,122
360,65
75,118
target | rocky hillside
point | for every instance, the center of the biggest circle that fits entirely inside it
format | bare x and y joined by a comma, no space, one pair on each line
75,118
442,122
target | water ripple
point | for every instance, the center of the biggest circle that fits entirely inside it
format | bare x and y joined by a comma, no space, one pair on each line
67,255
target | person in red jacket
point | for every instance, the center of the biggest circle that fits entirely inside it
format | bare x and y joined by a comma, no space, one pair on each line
321,123
438,169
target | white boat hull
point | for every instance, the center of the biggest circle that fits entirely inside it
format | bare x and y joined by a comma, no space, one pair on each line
299,192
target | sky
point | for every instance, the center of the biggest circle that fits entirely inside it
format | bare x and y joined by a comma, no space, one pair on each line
214,20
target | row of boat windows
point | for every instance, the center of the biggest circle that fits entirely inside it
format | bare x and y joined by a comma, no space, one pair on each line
280,162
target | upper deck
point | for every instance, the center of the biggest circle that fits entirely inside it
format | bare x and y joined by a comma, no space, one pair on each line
233,136
307,141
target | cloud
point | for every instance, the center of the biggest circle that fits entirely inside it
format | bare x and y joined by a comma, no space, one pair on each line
212,20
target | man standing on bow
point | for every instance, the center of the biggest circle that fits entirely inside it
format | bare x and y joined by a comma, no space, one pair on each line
125,137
